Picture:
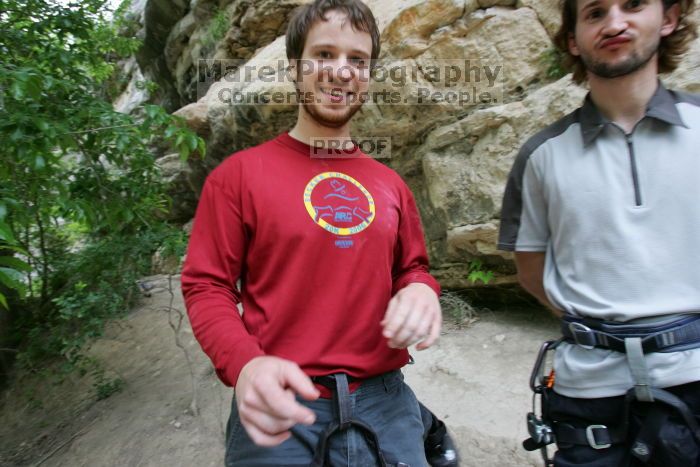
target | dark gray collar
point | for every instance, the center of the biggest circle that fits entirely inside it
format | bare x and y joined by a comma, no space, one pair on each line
662,106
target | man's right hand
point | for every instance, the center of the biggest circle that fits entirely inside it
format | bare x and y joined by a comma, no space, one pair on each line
266,399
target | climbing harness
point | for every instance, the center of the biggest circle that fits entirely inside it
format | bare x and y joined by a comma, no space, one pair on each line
634,340
338,383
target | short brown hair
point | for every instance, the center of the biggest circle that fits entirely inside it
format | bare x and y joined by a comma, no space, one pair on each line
671,48
359,14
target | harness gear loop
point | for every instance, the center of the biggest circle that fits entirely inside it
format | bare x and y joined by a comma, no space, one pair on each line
539,428
638,368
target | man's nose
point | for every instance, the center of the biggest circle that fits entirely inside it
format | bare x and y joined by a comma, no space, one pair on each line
615,22
343,69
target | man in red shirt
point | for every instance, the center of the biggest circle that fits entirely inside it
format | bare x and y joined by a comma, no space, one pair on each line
334,276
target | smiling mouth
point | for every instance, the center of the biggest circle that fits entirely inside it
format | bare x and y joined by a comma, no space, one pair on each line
336,94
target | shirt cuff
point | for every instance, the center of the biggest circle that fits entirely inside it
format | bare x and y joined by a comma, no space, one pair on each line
416,277
240,356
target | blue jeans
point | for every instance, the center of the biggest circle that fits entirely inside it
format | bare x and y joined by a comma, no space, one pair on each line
385,403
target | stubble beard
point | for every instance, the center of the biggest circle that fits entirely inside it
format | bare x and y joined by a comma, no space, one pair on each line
633,63
330,121
313,110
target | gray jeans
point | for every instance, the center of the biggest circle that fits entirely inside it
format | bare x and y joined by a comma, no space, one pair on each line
385,403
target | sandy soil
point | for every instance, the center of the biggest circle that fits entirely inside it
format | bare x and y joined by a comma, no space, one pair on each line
475,378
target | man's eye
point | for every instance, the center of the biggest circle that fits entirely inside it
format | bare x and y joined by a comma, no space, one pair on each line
324,54
595,14
634,4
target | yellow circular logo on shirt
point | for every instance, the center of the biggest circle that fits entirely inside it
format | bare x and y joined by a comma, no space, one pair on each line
339,203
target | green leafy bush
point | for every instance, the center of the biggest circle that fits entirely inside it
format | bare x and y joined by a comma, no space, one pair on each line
11,268
81,197
91,286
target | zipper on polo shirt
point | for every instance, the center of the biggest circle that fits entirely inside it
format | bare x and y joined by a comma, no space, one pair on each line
633,168
633,162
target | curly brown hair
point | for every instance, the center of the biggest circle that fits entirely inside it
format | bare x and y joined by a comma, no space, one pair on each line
671,47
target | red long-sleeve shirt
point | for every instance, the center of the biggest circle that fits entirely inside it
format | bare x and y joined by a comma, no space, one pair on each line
320,246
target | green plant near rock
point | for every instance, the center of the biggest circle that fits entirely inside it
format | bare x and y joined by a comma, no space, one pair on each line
553,62
217,28
477,273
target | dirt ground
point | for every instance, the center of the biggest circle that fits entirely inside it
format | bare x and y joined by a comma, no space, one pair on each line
476,378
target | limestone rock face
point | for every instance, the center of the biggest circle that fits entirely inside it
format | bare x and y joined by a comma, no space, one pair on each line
455,154
256,24
178,177
229,31
165,264
237,126
493,63
195,114
135,93
465,167
547,12
159,18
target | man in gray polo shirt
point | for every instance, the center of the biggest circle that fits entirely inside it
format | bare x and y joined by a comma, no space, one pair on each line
602,209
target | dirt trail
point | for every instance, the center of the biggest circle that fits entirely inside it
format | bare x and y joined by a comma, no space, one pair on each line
476,379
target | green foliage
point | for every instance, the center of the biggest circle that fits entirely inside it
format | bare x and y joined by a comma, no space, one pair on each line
11,268
80,194
148,85
92,286
217,28
553,61
103,385
108,387
478,274
174,243
126,22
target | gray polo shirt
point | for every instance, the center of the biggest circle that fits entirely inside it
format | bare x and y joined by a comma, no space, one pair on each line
618,216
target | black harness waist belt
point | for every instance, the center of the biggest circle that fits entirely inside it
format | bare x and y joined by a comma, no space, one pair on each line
329,381
680,334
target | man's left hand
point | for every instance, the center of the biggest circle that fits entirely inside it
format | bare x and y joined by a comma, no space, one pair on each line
413,315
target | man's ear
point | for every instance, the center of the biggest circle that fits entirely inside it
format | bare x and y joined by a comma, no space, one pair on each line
573,48
672,16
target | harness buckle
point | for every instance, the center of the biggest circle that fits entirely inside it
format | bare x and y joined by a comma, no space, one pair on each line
540,433
590,436
583,335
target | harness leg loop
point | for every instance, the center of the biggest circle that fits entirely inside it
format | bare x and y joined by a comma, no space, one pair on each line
638,368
